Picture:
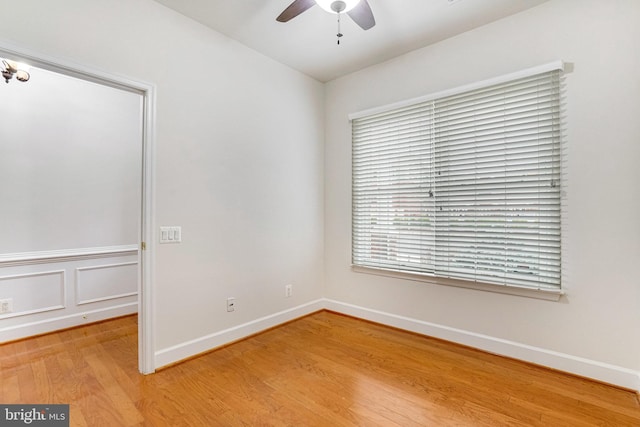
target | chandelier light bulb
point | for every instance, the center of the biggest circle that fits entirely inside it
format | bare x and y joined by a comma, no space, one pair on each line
22,76
23,67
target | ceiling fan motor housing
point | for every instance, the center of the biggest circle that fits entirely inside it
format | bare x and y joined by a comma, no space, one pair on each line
337,6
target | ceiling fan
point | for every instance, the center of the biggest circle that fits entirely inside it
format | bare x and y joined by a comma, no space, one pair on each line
358,10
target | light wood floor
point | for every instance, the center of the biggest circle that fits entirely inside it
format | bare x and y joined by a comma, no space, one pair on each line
322,370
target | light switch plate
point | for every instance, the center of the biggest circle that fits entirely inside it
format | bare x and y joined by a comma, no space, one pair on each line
170,234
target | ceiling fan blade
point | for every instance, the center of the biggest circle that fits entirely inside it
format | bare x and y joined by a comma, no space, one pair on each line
295,9
362,15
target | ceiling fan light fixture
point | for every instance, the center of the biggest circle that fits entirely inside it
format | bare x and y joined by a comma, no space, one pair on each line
358,10
337,6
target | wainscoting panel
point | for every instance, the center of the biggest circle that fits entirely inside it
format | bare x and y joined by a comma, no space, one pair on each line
33,292
65,288
106,282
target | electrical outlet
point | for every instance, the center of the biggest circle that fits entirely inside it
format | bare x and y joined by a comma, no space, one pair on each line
6,305
231,304
288,291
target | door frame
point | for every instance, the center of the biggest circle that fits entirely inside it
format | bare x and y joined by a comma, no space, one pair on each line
147,243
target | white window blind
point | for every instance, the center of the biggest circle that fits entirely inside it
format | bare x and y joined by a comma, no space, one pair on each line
465,186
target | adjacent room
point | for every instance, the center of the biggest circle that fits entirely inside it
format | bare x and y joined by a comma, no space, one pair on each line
359,212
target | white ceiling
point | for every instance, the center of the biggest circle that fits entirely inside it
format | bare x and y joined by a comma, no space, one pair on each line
308,42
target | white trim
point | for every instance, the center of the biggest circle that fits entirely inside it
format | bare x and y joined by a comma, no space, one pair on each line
146,258
100,267
70,68
108,298
191,348
24,330
604,372
146,338
34,311
543,294
42,257
555,65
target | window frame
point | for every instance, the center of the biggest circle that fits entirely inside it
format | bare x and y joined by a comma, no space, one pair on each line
513,289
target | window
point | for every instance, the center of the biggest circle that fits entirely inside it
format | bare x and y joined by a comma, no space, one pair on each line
465,185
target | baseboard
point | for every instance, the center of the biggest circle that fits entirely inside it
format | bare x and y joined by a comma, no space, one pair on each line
44,326
191,348
599,371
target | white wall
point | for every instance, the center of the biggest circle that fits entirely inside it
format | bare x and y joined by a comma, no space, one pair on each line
70,161
597,323
239,162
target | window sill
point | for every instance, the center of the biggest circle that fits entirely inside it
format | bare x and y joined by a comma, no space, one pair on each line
544,294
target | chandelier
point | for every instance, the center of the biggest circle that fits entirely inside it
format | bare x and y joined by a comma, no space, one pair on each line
12,68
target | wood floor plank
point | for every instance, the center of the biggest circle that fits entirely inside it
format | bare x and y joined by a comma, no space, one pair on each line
322,370
120,400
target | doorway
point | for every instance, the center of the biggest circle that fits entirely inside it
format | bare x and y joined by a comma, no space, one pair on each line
81,247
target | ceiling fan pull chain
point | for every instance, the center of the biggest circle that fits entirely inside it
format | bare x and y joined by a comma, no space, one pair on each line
339,33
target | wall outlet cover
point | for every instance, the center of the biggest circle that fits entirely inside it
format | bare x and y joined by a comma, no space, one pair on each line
6,305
